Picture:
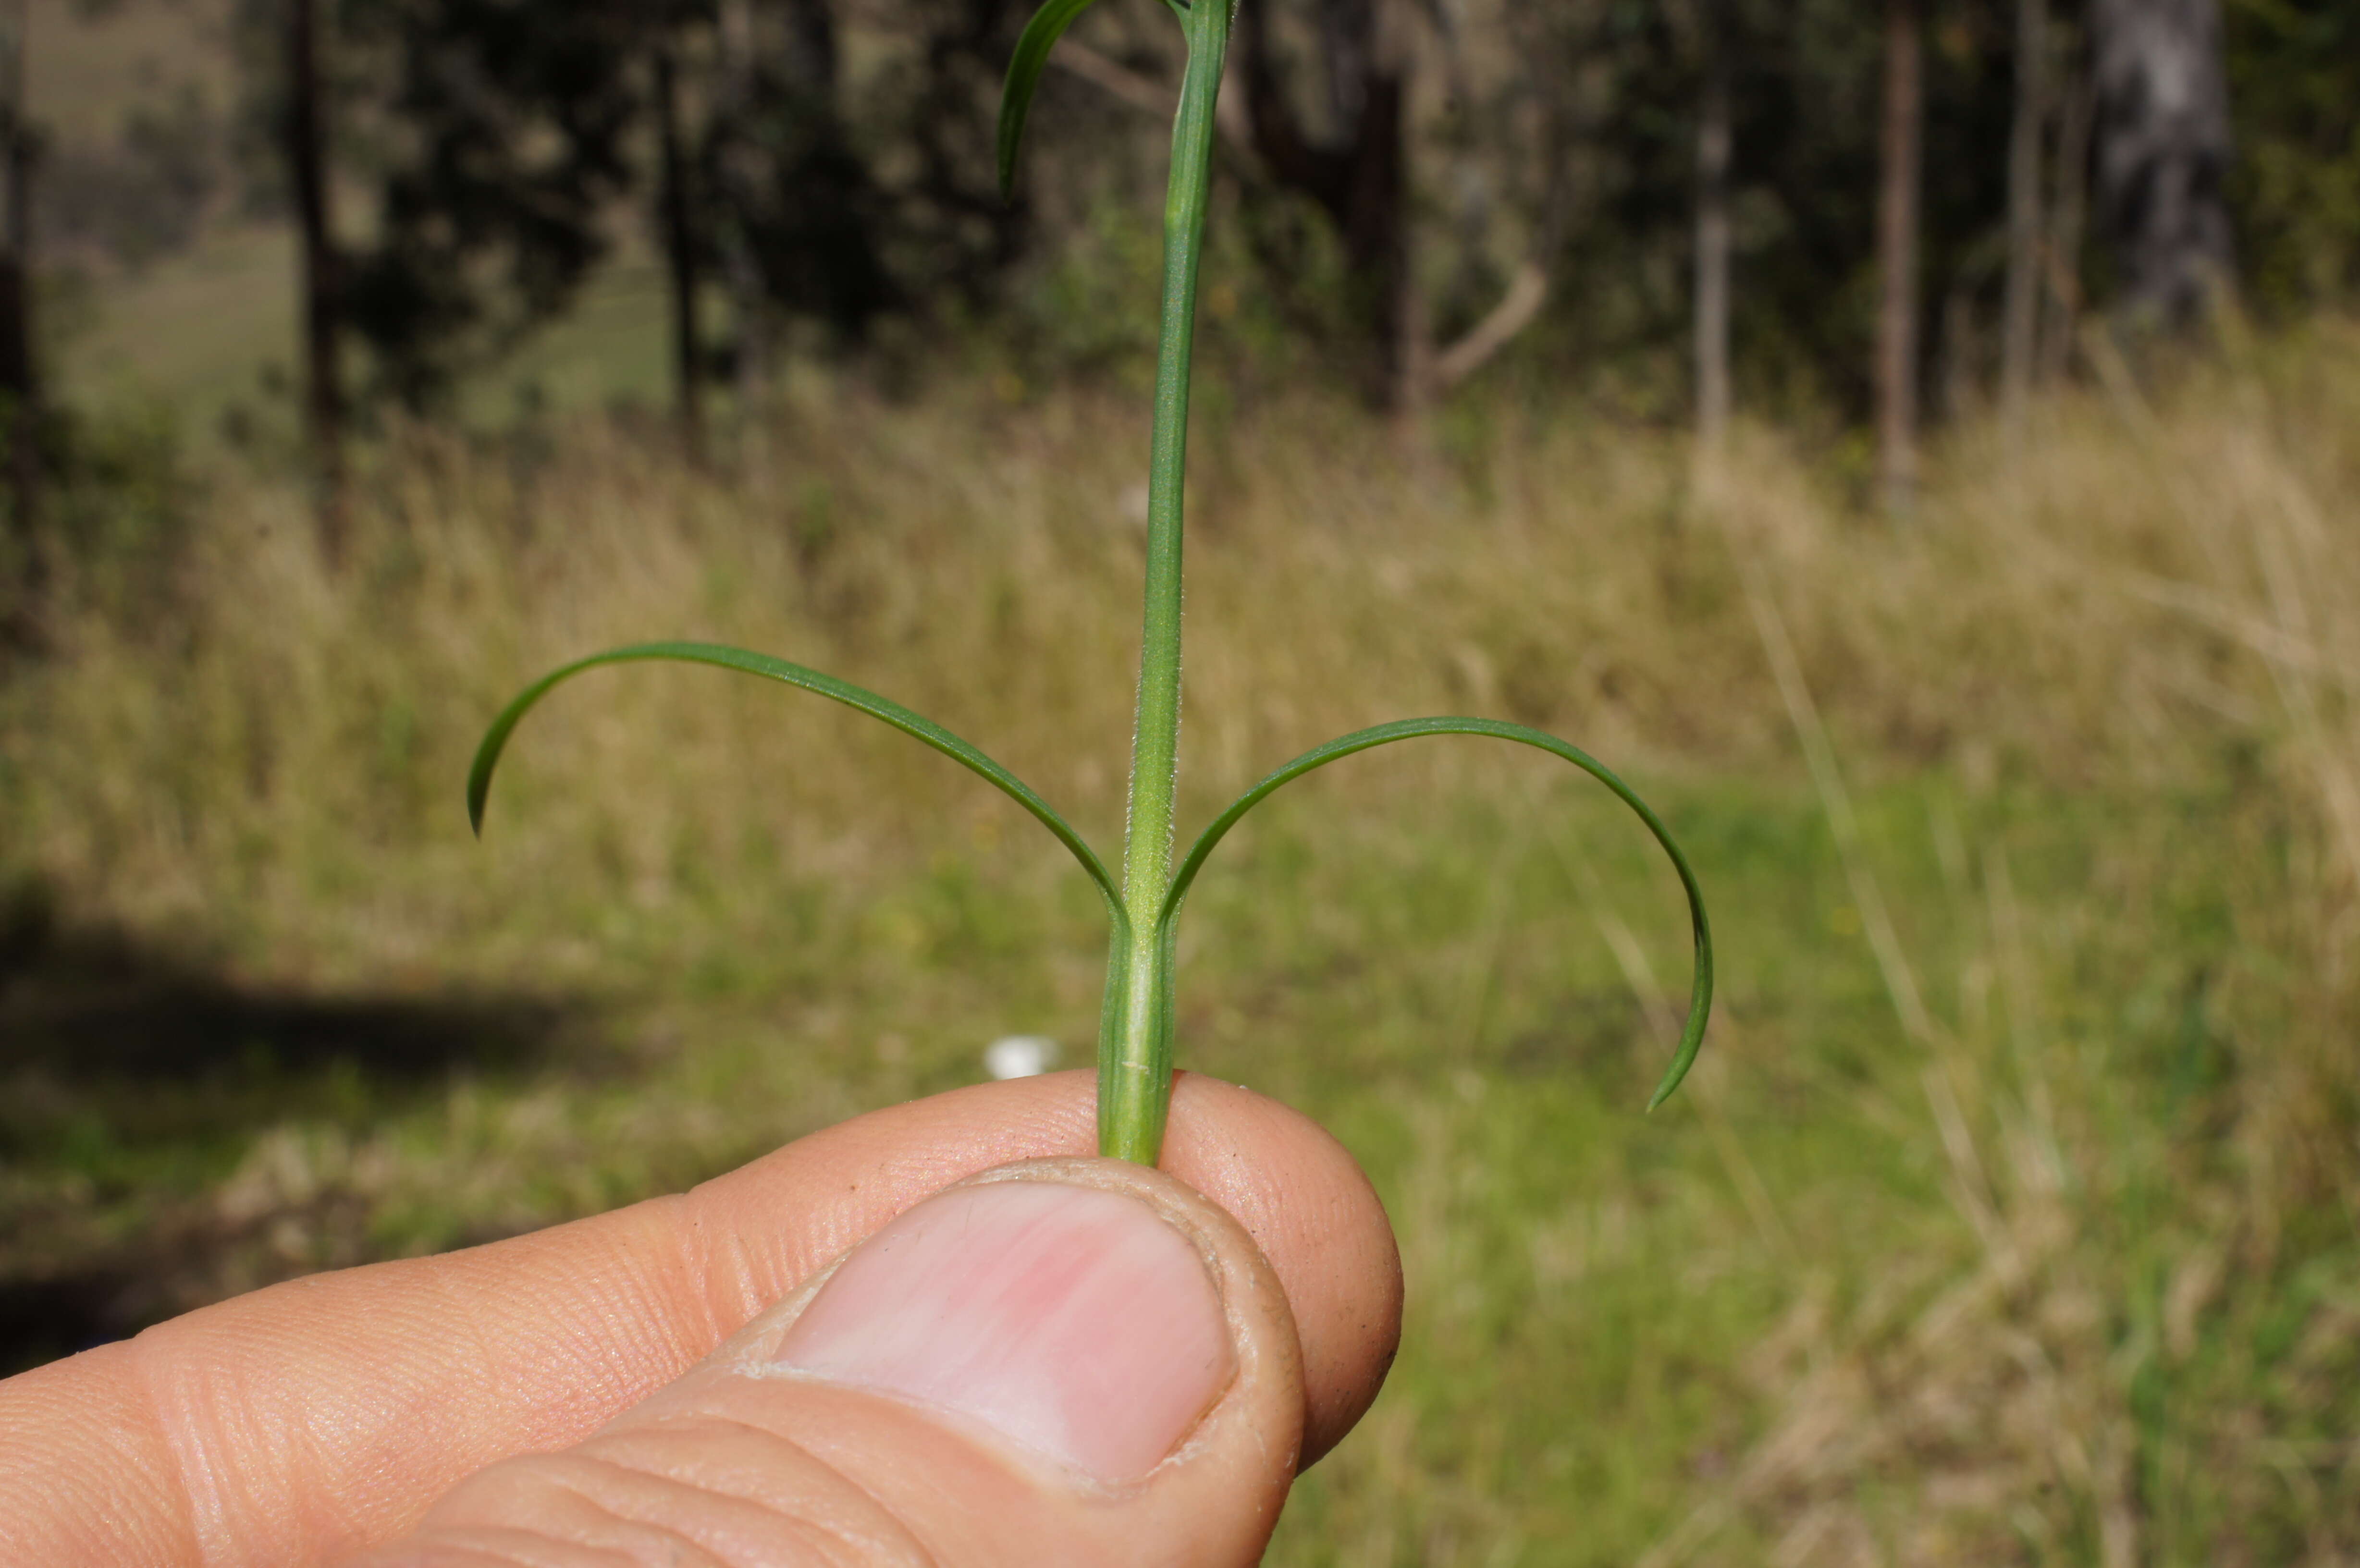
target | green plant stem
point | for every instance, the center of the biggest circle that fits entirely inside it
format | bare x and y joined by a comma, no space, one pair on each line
1135,1075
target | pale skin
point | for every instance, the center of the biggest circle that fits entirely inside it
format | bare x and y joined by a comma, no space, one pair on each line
581,1395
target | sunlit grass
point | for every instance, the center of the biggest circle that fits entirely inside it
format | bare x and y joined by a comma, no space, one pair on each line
2069,1275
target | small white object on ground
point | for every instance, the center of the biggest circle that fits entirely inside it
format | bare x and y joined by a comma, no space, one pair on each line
1020,1056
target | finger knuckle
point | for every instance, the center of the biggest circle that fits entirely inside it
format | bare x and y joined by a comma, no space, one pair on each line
690,1494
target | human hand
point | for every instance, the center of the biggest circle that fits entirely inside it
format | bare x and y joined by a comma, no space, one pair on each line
1081,1361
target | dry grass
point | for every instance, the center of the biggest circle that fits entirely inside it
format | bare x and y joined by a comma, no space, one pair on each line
2011,1218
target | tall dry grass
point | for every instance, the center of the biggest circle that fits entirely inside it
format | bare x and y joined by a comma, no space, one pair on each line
2153,584
2152,603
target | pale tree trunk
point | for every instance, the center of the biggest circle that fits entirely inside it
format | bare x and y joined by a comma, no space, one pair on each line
1712,255
2020,315
679,250
307,148
2163,144
1896,246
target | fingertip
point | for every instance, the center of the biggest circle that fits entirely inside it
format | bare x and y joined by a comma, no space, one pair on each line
1312,1210
1061,1360
1296,1191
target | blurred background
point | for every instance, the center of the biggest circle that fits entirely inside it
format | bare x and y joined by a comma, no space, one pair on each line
1915,441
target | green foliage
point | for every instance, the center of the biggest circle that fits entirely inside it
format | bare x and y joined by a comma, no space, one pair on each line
2294,82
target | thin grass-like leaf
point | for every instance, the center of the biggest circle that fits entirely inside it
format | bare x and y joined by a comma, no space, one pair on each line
1041,35
495,739
1700,992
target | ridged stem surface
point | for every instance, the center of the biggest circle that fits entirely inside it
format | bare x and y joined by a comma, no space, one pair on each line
1134,1078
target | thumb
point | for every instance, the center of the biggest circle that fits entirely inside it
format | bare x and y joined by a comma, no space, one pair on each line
1060,1361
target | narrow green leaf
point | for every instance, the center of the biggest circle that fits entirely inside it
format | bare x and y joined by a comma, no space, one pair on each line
1700,992
487,755
1041,35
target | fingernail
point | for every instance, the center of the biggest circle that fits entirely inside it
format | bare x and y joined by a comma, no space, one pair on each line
1075,1322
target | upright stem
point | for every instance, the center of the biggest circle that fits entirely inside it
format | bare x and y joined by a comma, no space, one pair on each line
1134,1079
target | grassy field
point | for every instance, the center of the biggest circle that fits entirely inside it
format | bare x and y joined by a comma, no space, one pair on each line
2010,1217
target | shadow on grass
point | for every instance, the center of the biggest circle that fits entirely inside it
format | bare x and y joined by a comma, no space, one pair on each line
92,1002
132,1079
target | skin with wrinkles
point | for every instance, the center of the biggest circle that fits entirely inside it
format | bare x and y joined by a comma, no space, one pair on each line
834,1474
306,1422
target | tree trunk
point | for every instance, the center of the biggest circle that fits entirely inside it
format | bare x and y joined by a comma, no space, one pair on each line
21,385
2020,315
1896,246
812,54
2163,151
2061,309
1376,232
323,396
1359,177
742,165
1712,254
679,252
20,388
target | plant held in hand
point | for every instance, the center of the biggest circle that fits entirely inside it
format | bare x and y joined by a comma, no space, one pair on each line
1135,1022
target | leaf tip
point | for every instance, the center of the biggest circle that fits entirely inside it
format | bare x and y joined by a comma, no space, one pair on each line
479,780
1013,107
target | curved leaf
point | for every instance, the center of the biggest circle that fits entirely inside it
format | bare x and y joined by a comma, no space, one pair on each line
487,755
1700,993
1041,35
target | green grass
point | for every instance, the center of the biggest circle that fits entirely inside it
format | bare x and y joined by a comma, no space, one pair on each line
2073,1276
